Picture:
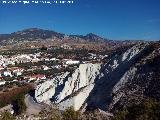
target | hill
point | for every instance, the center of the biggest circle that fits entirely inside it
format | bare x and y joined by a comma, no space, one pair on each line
34,37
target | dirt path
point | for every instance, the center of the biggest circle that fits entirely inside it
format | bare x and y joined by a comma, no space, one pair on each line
33,108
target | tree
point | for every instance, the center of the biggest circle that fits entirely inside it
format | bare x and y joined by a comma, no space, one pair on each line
19,104
44,48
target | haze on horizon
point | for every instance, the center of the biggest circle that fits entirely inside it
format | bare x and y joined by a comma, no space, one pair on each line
113,19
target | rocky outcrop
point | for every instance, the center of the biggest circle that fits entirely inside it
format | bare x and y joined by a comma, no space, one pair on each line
142,81
45,91
61,89
112,73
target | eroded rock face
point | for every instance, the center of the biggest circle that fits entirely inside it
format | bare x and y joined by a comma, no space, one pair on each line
62,87
104,86
45,91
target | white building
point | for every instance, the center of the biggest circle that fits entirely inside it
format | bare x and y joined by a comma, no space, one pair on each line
2,82
7,73
71,62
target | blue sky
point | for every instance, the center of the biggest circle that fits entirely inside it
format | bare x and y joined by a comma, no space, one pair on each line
113,19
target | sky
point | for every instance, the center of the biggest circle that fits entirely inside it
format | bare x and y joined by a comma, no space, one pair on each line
112,19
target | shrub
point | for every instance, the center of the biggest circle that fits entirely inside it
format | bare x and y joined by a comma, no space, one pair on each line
70,114
19,104
50,114
6,116
148,110
121,115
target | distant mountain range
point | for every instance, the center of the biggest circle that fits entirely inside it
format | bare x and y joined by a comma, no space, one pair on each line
40,34
52,38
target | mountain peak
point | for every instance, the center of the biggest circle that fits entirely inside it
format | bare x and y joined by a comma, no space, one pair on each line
93,37
92,34
36,30
32,29
31,34
34,34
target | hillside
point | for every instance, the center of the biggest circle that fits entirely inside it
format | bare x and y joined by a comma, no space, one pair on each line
35,37
126,78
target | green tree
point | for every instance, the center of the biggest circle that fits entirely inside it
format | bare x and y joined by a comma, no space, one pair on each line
19,104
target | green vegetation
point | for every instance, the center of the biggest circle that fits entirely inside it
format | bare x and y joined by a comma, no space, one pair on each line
8,78
148,110
6,116
55,52
18,51
19,103
52,114
13,95
70,114
56,114
29,65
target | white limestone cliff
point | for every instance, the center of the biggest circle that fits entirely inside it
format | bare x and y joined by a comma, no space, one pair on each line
82,77
45,91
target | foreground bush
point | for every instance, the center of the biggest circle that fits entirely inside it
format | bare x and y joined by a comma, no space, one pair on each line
56,114
51,114
6,116
95,115
19,104
148,110
70,114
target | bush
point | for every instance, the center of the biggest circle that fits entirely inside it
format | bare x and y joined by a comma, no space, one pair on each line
148,110
6,116
51,114
121,115
70,114
19,104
